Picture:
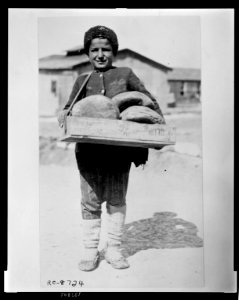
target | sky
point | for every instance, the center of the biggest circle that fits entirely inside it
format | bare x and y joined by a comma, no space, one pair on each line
171,40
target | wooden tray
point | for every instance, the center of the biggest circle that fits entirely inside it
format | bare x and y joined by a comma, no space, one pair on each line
117,132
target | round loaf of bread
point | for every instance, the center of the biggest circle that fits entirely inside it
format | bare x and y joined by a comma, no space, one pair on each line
126,99
141,114
96,106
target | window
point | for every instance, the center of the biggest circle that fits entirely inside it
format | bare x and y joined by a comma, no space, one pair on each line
182,89
53,86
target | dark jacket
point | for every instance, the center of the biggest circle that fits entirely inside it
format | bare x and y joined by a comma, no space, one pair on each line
110,83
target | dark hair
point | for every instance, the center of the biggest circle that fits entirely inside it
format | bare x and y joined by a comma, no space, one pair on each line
101,32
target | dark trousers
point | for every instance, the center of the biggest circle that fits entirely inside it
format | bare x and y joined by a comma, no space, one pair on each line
102,181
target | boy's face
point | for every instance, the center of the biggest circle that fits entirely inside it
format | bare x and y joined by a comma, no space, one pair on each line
100,54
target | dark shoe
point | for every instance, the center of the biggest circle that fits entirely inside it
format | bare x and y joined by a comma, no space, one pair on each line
89,265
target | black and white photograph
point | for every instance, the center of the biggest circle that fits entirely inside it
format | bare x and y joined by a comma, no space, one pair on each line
120,151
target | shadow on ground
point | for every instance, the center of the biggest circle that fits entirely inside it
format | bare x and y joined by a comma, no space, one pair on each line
161,231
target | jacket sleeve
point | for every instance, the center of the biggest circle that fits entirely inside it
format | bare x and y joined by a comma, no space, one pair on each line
74,91
134,84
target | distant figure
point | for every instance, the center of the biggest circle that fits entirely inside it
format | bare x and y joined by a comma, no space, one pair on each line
104,169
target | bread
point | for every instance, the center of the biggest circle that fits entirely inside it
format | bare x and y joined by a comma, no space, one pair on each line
96,106
141,114
126,99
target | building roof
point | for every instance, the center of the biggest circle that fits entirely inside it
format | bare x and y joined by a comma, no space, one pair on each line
183,74
77,50
61,62
143,58
75,57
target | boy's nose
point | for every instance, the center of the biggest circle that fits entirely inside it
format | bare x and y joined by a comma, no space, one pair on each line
100,53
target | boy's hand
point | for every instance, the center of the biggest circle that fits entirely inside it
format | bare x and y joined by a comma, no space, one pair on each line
61,117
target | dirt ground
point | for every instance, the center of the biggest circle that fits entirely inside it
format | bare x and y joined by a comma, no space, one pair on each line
163,236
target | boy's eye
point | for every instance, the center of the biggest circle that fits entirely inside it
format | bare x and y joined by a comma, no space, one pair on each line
103,49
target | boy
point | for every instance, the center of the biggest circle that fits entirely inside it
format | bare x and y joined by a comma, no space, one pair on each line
104,169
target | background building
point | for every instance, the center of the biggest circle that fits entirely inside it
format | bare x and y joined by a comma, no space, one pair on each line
185,84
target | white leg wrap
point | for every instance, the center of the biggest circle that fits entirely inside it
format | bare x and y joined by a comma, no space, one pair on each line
91,237
116,221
